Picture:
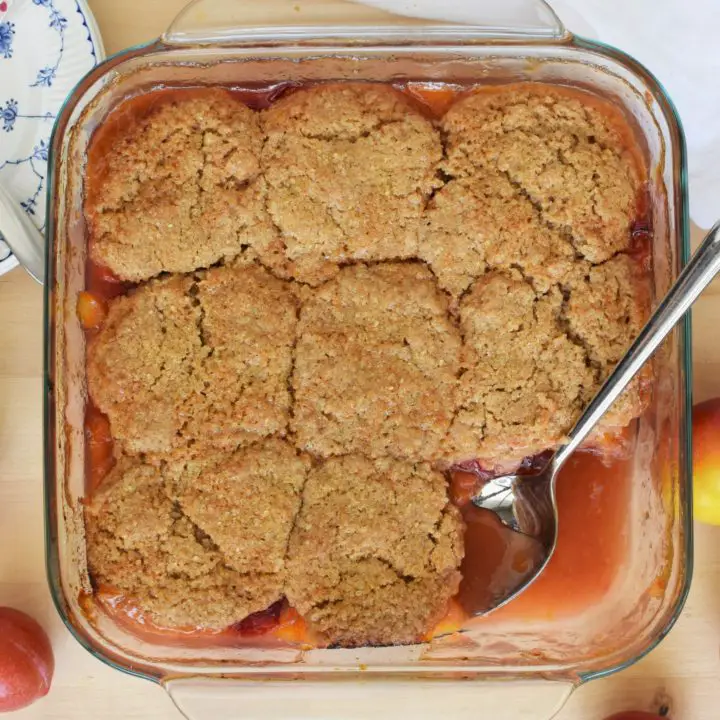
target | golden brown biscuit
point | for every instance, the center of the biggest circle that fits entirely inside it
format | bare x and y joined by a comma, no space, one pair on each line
249,326
483,223
374,555
141,542
525,381
245,501
563,149
196,360
606,308
375,364
367,369
531,362
180,187
348,168
141,367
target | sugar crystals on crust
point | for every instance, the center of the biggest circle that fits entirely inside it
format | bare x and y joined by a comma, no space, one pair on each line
141,366
349,168
606,308
179,188
196,360
245,501
161,550
566,151
376,364
374,555
525,381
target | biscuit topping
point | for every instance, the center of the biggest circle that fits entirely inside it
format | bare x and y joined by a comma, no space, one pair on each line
374,554
564,154
376,364
348,168
339,299
152,534
180,189
196,360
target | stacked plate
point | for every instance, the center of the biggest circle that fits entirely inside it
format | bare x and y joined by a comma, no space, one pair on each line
46,46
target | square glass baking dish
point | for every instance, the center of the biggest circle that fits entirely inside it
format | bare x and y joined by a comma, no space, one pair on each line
504,664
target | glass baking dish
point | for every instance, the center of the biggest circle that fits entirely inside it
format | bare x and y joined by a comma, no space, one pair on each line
499,666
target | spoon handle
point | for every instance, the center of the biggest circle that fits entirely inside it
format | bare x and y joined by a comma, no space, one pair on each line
694,278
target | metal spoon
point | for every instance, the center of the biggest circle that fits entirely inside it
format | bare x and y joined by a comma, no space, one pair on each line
526,503
22,236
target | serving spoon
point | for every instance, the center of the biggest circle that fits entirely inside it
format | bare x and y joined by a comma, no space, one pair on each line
526,503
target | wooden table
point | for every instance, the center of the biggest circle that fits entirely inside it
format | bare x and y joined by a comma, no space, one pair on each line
686,666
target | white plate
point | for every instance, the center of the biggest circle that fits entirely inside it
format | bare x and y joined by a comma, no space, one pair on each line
46,46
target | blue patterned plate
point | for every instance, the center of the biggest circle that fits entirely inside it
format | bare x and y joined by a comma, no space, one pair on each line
46,46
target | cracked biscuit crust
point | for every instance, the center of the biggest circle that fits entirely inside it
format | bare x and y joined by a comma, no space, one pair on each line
248,324
202,360
246,501
540,194
374,555
349,169
605,310
545,169
376,364
525,381
158,547
482,223
180,188
531,362
141,366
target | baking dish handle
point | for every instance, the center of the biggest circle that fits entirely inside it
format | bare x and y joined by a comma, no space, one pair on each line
367,698
232,22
